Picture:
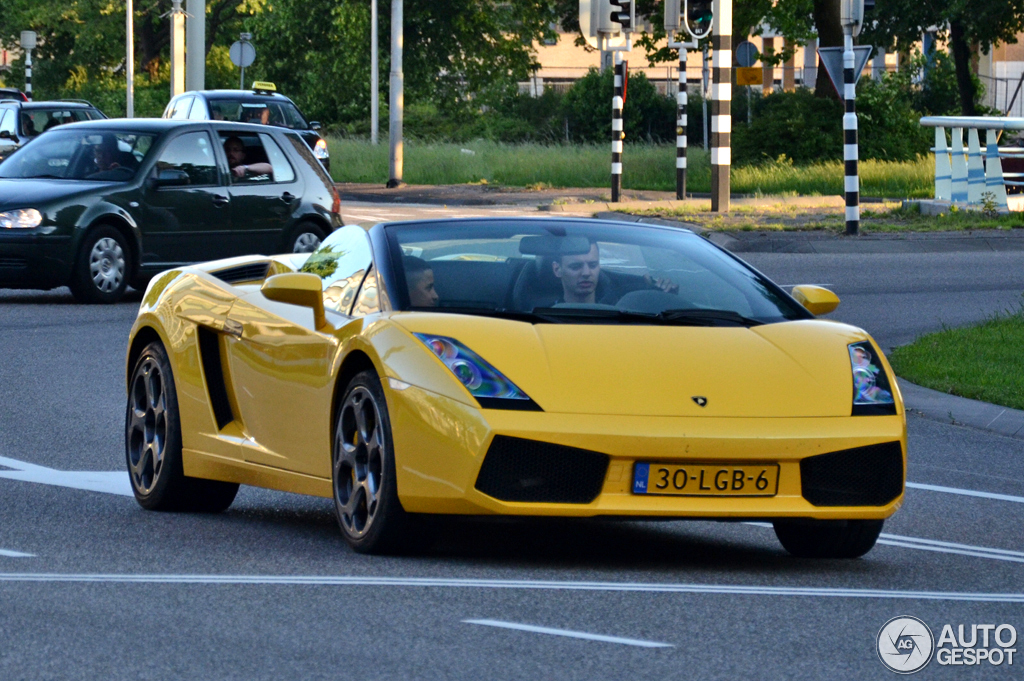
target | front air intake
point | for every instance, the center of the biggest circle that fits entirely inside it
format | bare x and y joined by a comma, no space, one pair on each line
252,272
865,476
527,470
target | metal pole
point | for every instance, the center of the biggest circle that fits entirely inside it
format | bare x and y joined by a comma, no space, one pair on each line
374,84
195,45
721,106
129,62
851,181
617,133
177,49
681,102
28,74
704,96
396,110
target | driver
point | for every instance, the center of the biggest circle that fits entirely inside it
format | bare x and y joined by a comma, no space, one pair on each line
105,154
580,275
420,277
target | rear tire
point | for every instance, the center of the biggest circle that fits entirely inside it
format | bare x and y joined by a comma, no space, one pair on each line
828,538
366,503
304,237
103,266
153,443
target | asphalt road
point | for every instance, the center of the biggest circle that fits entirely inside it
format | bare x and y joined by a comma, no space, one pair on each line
93,587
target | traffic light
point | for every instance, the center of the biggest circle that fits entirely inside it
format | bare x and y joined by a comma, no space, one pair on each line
623,13
699,17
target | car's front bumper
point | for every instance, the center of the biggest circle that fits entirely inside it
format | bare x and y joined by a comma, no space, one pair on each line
440,446
34,260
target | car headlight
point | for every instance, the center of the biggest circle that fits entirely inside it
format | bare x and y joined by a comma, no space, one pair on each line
23,218
872,394
492,389
320,149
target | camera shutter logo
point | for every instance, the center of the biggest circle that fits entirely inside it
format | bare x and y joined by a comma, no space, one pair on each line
905,645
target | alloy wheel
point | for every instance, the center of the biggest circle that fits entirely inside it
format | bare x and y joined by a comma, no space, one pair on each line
147,426
358,462
307,242
106,264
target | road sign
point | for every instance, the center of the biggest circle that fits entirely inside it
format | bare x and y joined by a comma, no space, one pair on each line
832,60
242,53
746,54
746,75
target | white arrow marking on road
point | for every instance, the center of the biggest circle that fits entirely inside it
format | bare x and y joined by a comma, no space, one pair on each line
15,554
108,482
569,634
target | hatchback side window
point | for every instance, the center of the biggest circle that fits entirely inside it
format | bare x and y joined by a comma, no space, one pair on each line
341,261
283,171
198,110
7,122
180,110
192,154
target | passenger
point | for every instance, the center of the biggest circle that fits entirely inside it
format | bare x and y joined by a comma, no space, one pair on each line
28,127
420,278
581,274
234,148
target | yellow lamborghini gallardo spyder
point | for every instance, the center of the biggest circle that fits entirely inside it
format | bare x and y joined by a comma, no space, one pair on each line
534,367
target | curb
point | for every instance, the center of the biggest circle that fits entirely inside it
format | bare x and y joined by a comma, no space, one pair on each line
961,411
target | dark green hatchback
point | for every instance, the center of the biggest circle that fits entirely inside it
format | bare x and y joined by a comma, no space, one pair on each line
100,205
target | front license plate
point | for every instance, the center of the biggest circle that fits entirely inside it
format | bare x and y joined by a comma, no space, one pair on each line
706,480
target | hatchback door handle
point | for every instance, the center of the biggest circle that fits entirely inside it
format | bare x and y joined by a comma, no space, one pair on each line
287,197
219,200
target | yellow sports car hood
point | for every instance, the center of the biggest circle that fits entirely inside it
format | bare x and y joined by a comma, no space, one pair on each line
790,369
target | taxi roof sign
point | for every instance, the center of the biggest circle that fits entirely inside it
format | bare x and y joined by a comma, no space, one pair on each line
263,86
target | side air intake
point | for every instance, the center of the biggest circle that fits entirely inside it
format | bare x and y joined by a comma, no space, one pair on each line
527,470
213,372
864,476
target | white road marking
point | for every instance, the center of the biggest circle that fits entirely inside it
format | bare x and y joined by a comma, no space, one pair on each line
527,584
570,634
966,492
950,547
108,482
15,554
938,546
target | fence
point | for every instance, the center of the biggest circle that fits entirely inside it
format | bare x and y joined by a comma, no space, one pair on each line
961,175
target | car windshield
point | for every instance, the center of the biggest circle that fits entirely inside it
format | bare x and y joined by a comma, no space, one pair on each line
68,154
36,121
579,272
277,112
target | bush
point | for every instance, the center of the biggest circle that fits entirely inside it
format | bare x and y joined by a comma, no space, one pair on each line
647,116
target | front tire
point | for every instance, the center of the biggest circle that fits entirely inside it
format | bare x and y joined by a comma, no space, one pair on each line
305,237
153,443
828,538
366,503
103,266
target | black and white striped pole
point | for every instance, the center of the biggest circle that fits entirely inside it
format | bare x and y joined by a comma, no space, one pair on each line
617,132
851,181
681,102
721,106
28,43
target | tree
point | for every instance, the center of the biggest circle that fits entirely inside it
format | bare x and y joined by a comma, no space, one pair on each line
963,23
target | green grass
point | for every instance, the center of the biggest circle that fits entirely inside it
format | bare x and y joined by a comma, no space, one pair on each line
983,362
645,166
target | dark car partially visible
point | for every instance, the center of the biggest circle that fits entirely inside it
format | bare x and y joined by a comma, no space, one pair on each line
100,205
21,121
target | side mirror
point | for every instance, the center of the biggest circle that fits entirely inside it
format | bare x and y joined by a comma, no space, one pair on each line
314,125
297,288
7,135
816,299
169,177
